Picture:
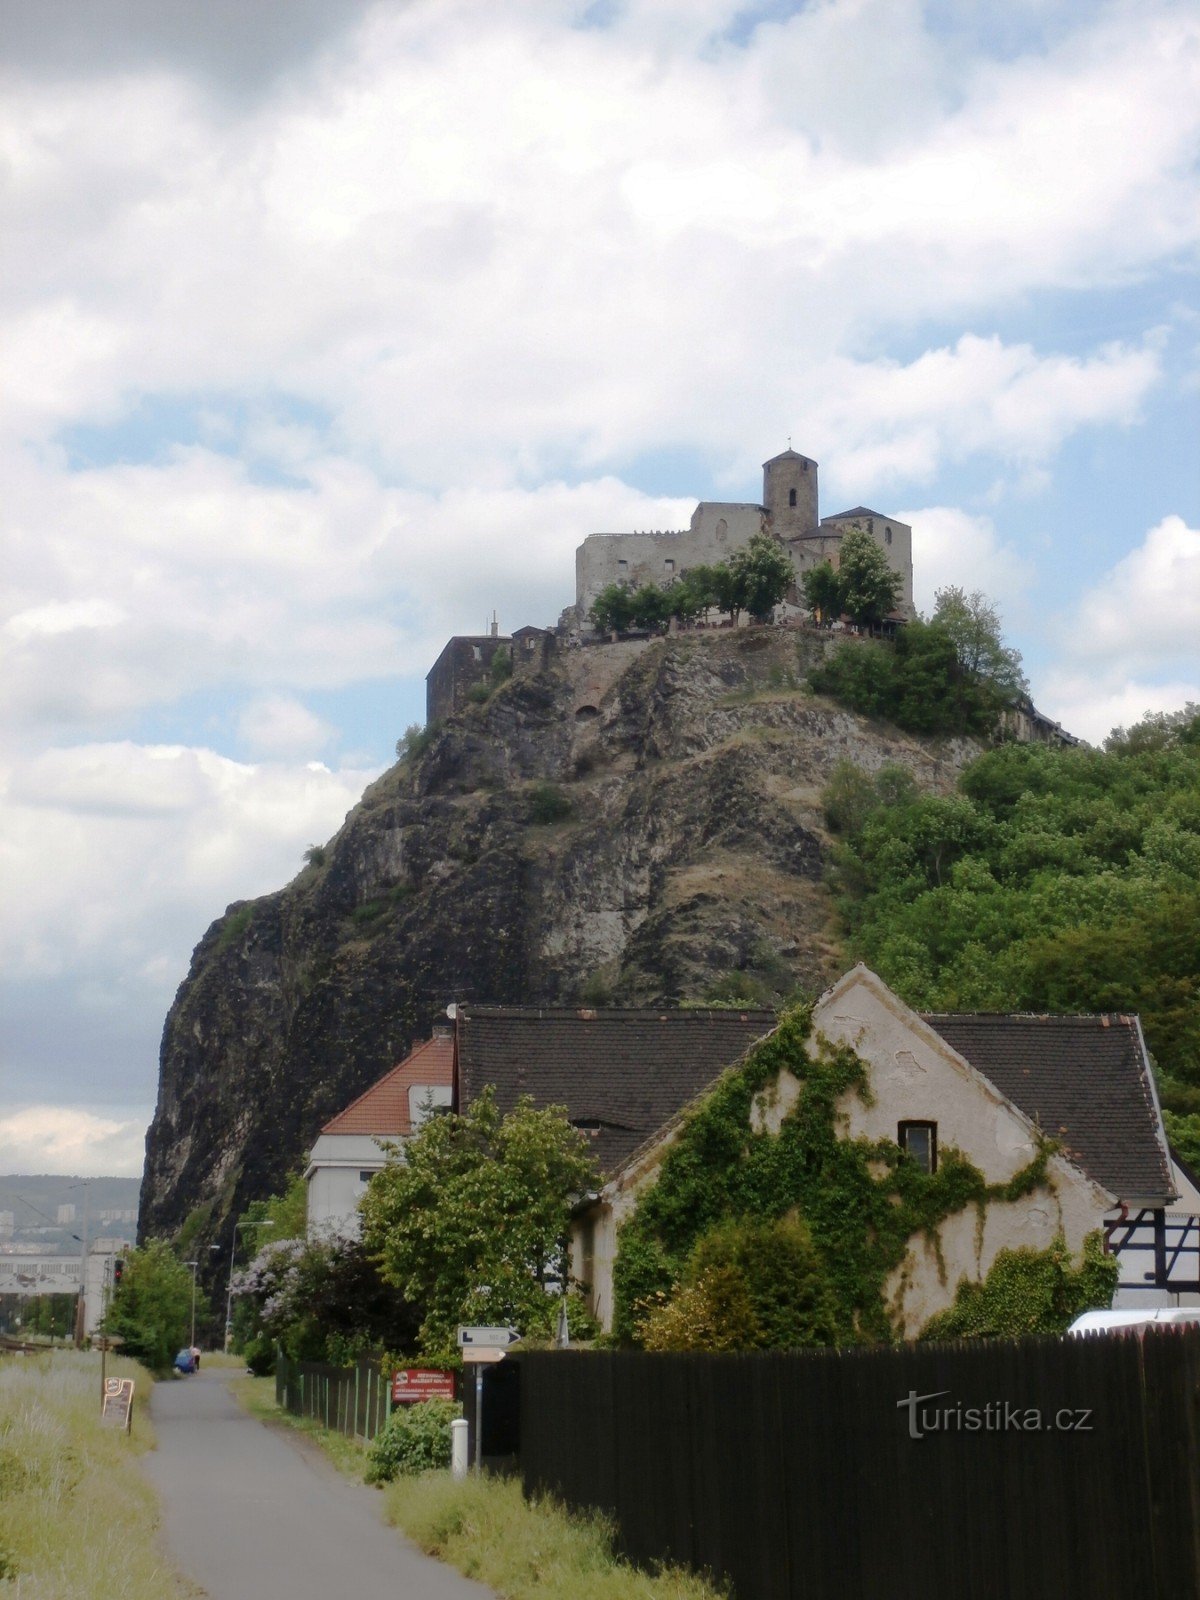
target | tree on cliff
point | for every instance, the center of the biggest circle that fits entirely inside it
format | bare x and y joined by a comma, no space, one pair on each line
762,573
972,623
471,1220
823,592
870,588
612,609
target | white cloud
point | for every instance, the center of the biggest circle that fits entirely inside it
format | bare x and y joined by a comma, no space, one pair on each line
1147,608
1092,707
595,247
59,1138
953,547
280,725
115,857
1133,645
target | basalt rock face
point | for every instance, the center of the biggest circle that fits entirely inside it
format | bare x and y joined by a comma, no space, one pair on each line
688,864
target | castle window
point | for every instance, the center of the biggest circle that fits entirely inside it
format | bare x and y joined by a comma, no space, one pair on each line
477,652
888,535
791,497
668,565
919,1140
622,566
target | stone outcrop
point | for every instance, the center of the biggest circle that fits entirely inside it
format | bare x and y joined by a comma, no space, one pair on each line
645,833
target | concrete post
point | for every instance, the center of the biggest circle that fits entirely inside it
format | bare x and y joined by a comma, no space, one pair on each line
459,1459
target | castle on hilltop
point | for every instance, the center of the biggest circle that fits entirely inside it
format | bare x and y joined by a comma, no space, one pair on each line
788,513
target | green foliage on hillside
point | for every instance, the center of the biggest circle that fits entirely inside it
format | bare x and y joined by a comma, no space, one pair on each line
951,675
1052,880
692,1273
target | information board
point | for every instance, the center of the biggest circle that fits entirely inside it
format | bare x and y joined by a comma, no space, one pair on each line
412,1384
118,1403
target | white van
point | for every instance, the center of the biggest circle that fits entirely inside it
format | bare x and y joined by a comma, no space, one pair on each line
1120,1321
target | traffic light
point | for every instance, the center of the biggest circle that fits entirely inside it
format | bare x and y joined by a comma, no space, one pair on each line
118,1271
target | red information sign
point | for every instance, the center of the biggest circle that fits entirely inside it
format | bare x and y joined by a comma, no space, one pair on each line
411,1384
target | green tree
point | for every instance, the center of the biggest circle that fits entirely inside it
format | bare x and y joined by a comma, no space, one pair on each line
870,589
650,607
151,1308
612,609
763,573
281,1216
822,588
471,1220
1157,730
972,623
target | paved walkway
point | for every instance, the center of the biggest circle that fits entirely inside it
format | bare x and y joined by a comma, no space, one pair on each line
252,1512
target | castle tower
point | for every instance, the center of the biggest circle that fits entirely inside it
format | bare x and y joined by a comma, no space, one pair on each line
790,495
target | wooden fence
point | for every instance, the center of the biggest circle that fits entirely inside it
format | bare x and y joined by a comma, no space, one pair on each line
356,1401
888,1474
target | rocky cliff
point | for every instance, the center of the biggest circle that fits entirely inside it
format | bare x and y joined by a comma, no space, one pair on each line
631,822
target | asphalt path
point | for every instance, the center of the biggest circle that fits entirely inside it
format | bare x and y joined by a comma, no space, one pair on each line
252,1512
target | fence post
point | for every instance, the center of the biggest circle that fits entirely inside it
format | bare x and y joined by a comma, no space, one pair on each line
354,1429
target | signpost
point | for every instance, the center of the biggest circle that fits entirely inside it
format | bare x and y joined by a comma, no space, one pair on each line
413,1384
480,1347
107,1342
118,1404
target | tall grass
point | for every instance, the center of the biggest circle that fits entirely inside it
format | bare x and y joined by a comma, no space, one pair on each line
487,1529
77,1519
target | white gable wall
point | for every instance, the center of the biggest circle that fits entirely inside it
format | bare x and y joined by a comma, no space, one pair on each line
335,1182
915,1076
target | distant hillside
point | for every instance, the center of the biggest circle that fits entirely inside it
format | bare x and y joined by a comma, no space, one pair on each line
34,1201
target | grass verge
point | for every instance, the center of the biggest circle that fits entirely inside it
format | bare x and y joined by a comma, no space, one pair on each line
257,1396
489,1531
77,1519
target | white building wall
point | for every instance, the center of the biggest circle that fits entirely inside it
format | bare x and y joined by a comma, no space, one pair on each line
716,531
336,1183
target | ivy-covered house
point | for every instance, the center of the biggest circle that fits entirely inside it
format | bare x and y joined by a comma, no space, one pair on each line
910,1156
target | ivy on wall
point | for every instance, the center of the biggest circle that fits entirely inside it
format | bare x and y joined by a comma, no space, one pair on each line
861,1200
1029,1291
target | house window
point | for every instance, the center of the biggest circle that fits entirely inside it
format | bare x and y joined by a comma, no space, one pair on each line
365,1177
919,1140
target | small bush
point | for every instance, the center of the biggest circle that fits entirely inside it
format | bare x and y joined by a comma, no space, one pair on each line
596,991
315,855
547,803
479,693
234,926
502,667
415,1440
415,740
260,1355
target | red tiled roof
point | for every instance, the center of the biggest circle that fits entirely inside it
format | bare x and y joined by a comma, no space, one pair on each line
383,1109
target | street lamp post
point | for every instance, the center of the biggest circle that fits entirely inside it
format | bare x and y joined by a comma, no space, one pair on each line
229,1296
193,1265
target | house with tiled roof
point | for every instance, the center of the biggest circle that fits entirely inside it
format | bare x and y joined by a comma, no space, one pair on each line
348,1151
620,1074
995,1088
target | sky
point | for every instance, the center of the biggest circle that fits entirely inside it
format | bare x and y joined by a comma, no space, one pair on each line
331,327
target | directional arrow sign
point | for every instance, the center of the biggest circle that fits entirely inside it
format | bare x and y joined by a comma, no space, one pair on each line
490,1338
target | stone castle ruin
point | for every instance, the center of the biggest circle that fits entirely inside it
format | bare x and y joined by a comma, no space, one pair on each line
788,513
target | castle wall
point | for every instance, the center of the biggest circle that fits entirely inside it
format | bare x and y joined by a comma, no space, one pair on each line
893,538
716,531
466,661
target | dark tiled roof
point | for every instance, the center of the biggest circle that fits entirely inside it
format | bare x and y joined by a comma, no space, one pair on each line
857,511
1084,1080
383,1110
628,1071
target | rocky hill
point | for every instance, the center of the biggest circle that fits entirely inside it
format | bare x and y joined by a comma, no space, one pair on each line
635,822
